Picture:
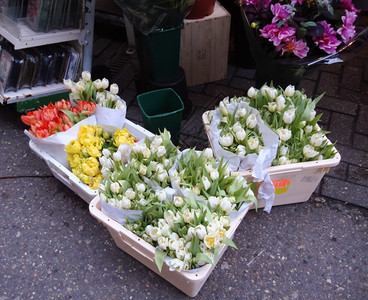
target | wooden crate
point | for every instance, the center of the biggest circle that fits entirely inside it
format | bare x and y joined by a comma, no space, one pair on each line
204,47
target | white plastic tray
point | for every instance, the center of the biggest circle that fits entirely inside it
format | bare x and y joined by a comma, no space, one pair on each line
293,183
68,178
187,281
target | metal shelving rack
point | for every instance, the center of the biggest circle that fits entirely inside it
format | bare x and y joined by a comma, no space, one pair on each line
21,36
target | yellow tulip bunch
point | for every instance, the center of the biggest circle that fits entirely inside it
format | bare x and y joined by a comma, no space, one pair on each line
83,153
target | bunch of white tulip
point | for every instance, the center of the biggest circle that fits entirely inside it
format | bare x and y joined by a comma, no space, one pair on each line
190,234
95,91
153,159
292,116
239,131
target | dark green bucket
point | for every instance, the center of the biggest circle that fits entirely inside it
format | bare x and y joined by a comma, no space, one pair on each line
163,49
161,109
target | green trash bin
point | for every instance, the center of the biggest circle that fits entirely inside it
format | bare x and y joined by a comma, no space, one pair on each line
161,109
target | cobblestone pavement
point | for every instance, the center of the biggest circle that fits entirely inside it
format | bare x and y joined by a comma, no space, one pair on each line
52,248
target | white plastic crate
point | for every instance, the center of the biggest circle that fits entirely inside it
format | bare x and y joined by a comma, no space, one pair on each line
189,282
293,183
68,178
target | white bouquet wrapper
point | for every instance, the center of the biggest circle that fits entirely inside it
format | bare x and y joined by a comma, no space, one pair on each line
258,163
55,144
111,116
119,214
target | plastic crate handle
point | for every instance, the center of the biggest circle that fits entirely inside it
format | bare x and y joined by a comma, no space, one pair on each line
55,170
122,236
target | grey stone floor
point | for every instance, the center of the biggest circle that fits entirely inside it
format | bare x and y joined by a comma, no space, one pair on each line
52,248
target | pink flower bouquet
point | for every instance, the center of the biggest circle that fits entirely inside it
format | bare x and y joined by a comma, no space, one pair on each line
301,28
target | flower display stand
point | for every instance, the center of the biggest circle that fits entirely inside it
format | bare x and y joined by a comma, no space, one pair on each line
204,47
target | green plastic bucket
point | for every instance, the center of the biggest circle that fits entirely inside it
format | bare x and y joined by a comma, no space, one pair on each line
163,50
161,109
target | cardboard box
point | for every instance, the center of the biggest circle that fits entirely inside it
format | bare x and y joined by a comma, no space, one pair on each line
204,47
68,178
293,183
188,282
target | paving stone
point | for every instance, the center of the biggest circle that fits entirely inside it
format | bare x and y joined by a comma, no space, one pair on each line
332,68
308,86
360,141
351,77
353,156
358,175
354,96
134,114
215,90
201,100
326,116
312,75
241,83
345,191
365,75
338,105
246,73
128,95
362,125
340,171
341,127
328,83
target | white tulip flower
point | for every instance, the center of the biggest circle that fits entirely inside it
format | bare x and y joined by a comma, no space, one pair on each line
86,76
317,139
163,242
272,92
284,134
226,205
80,86
142,169
214,201
106,152
115,187
226,140
212,240
236,127
104,83
98,84
116,156
225,221
200,230
208,153
252,92
114,89
280,103
272,106
290,90
206,183
208,167
155,233
242,112
224,109
161,195
178,201
175,264
126,203
308,129
312,115
283,160
284,150
161,151
120,105
68,84
214,174
241,150
251,121
289,116
130,194
309,152
240,134
140,187
165,230
253,142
